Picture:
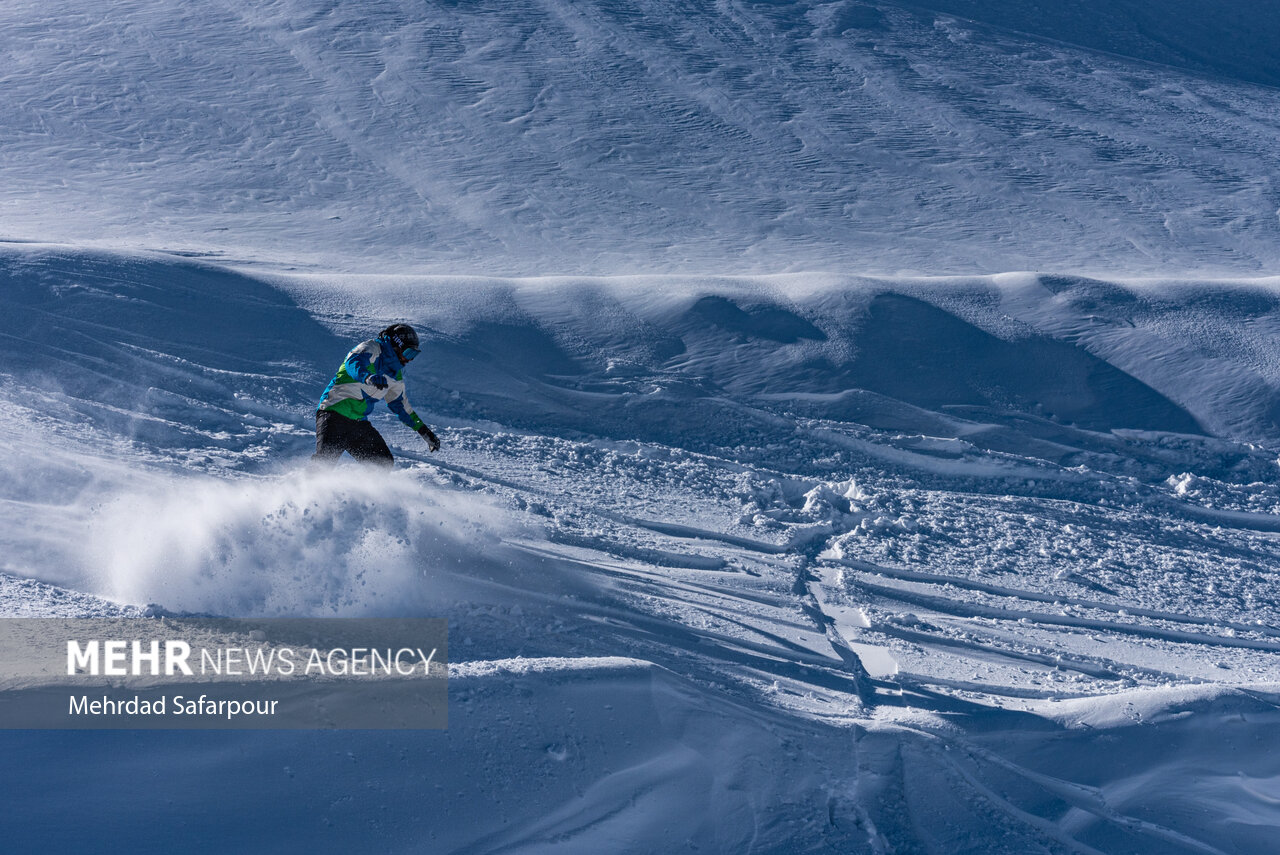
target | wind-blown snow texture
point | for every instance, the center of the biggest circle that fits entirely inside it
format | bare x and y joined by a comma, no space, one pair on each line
735,555
607,137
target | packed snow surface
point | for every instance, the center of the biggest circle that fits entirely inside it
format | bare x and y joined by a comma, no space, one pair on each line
861,420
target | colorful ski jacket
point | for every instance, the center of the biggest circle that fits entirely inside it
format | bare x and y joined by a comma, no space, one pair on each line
350,394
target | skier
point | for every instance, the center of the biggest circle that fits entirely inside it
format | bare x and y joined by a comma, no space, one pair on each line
370,373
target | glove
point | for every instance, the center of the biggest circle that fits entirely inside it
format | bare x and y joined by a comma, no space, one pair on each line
433,441
377,381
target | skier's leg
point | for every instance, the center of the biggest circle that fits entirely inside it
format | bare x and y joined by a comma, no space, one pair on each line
368,446
331,437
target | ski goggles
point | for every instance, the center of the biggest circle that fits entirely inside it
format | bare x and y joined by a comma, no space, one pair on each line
409,353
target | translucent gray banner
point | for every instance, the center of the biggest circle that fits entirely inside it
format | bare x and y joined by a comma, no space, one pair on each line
224,674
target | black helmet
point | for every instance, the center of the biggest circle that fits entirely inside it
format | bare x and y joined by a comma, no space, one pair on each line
403,340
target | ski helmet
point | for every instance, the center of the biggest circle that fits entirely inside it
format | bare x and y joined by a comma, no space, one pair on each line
403,340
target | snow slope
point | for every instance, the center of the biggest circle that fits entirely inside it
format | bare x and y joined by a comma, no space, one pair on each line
609,138
778,511
740,563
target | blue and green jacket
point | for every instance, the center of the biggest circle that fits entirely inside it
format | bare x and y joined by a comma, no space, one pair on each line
350,394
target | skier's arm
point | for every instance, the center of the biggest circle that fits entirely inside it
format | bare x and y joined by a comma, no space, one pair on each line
399,405
360,366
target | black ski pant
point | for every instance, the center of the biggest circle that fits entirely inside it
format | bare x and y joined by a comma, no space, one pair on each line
336,434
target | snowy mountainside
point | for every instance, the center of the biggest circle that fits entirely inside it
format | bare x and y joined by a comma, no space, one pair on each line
763,563
1214,37
662,136
777,512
